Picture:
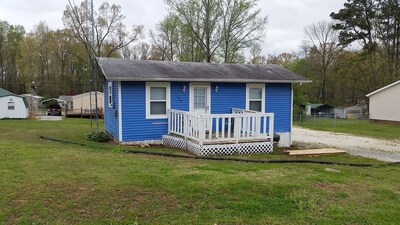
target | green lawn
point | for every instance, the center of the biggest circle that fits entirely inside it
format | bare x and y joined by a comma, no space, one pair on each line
356,127
48,182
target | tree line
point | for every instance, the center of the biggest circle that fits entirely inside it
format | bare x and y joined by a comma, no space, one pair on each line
347,57
354,53
60,61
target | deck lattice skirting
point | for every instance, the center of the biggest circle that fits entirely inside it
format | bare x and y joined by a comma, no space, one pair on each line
217,149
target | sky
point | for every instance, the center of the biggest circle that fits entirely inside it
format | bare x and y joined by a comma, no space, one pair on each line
285,29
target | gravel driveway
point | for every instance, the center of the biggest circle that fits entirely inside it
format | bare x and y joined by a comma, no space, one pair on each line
383,150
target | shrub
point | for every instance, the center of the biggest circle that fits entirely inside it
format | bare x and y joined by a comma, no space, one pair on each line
98,136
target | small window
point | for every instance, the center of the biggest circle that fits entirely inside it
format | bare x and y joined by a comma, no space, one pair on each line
11,105
255,97
157,99
110,97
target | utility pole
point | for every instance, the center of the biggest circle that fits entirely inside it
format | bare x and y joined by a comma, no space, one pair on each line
33,93
94,75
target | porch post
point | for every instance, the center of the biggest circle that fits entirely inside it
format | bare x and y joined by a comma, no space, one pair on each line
169,120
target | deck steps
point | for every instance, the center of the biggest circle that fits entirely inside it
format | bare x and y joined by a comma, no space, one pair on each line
314,151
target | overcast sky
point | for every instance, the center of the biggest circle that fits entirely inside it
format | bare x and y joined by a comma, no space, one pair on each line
285,31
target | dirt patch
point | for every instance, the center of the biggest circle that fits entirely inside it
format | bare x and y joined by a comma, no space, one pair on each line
327,186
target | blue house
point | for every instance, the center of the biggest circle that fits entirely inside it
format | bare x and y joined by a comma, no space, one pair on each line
202,107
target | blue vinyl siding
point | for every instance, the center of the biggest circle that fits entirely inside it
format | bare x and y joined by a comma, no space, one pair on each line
111,114
278,100
180,99
229,95
135,126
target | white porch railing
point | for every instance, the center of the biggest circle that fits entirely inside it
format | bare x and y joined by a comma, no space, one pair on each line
240,126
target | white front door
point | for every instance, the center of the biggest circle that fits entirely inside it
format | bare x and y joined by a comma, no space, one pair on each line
200,98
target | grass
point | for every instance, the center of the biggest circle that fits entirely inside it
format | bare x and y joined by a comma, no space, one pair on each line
356,127
48,182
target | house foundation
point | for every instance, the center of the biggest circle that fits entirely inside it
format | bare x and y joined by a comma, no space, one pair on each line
244,148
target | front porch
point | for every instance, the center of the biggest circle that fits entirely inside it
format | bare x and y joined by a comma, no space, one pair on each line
242,132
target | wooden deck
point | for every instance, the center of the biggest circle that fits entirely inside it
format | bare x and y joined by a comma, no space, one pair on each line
238,127
84,113
241,132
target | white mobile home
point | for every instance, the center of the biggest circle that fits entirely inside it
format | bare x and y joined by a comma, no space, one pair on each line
384,104
85,104
12,105
83,101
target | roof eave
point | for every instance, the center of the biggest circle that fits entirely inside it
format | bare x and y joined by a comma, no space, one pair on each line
207,80
384,88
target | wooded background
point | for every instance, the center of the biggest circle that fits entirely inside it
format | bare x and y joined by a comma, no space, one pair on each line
354,53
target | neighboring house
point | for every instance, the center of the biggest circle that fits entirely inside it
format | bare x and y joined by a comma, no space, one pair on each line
81,103
12,105
66,103
320,110
384,104
203,107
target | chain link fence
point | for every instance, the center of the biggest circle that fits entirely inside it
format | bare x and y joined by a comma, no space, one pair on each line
332,120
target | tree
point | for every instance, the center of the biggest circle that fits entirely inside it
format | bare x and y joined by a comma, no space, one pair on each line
324,45
388,33
202,18
283,59
211,30
109,30
255,54
356,23
139,51
167,39
242,27
10,40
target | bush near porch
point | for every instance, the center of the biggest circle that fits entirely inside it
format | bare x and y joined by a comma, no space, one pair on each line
49,182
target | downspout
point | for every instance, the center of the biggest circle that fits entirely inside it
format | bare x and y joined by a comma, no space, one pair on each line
119,113
291,116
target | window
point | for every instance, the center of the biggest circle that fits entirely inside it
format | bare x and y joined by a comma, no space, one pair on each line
11,105
157,99
255,97
110,99
199,98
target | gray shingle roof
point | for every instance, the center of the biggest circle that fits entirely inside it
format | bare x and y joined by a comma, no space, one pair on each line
4,92
147,70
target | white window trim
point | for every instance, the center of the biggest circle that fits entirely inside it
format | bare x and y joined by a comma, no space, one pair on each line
255,85
110,94
168,95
